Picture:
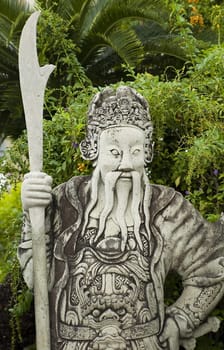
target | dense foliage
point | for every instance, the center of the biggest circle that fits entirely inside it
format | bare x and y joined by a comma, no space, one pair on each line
13,15
10,225
187,113
92,42
89,40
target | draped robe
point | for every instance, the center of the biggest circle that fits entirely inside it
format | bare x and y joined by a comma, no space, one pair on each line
177,239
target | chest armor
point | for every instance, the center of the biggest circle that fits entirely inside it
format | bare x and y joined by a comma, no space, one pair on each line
109,298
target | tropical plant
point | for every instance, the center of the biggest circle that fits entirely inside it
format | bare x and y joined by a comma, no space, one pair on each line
89,41
10,227
12,18
99,24
188,118
109,33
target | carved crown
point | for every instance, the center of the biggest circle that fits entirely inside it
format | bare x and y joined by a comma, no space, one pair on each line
110,108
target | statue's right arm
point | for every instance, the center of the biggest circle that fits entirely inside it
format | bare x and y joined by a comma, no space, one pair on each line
36,192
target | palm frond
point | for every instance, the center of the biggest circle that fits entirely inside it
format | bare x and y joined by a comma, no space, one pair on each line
10,28
159,40
9,88
71,10
90,11
12,8
8,63
122,41
12,18
104,15
5,26
11,114
170,45
127,45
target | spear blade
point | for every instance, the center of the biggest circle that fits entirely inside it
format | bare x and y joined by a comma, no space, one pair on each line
33,80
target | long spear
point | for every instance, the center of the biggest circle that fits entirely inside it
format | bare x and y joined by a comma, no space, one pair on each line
33,80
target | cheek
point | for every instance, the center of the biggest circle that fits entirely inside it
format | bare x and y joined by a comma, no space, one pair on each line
108,163
139,162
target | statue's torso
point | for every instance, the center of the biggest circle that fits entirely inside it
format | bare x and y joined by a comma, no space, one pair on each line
109,300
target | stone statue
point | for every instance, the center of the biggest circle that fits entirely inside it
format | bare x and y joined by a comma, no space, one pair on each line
112,238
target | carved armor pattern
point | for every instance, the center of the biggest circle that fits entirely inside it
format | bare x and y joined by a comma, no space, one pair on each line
105,300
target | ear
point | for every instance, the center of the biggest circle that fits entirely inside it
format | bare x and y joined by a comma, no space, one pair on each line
89,148
149,152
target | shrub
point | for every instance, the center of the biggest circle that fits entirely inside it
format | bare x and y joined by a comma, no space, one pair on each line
10,229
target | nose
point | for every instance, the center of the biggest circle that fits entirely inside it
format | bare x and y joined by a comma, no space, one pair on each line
126,162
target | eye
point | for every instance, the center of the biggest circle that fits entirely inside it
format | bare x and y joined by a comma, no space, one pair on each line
115,152
136,151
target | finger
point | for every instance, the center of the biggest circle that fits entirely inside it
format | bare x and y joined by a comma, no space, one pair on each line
34,174
36,177
38,180
37,188
43,196
38,202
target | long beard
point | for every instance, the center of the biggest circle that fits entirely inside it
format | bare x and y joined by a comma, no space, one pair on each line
129,197
119,196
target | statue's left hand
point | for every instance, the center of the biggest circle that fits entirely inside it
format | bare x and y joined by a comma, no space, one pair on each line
170,334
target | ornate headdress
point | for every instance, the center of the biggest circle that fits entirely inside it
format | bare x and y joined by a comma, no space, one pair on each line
111,108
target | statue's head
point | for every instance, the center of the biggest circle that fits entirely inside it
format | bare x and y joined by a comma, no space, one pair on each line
112,110
119,141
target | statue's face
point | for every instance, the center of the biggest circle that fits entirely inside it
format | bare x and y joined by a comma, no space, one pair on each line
121,149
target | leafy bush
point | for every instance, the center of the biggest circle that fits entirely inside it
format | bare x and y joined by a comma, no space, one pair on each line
10,229
188,117
62,158
10,232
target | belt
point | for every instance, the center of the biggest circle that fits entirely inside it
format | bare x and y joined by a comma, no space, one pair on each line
139,331
142,330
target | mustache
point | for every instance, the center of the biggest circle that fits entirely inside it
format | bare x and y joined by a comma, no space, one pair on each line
123,174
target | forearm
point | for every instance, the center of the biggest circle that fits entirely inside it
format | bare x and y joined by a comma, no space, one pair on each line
194,305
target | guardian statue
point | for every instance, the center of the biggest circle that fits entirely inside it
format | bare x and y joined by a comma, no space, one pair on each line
112,238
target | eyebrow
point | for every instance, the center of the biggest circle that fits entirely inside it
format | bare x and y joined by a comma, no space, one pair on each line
112,145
